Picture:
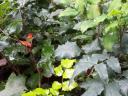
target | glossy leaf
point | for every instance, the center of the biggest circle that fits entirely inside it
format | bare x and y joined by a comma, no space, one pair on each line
67,50
14,86
68,12
114,64
94,87
101,69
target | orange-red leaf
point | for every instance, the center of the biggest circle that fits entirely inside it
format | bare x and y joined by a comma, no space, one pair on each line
30,36
25,43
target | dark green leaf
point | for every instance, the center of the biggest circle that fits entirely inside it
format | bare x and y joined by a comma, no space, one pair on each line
114,64
67,50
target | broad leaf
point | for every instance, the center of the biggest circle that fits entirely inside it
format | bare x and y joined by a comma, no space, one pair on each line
125,74
115,4
102,71
83,65
68,12
3,44
124,87
94,87
83,26
114,64
14,86
67,50
93,11
112,89
92,47
109,40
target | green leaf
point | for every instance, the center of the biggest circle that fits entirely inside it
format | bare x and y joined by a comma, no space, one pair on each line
32,82
92,47
67,63
83,65
124,86
68,12
99,19
40,91
56,85
115,4
94,87
125,74
111,26
94,1
67,50
93,11
109,40
58,70
80,5
112,89
101,69
54,92
83,26
14,87
66,86
68,73
114,64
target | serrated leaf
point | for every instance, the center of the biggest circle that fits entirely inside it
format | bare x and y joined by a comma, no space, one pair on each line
99,19
67,63
124,87
125,74
93,11
102,71
109,40
67,50
15,85
115,4
68,73
54,92
83,65
58,70
114,64
83,26
66,86
80,4
94,46
68,12
3,44
40,91
56,85
112,89
94,87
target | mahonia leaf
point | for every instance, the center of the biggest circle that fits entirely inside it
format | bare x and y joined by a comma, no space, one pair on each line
112,89
114,64
68,12
94,87
84,25
102,71
124,87
125,74
14,86
67,50
94,46
83,65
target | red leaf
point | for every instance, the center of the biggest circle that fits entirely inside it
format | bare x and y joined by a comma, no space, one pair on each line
30,36
3,62
26,43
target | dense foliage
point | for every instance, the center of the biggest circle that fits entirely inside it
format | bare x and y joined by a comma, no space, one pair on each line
64,47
